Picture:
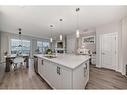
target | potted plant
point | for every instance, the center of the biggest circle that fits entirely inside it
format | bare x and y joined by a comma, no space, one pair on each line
49,51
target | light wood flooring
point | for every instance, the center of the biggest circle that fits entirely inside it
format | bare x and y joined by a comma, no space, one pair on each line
28,79
101,78
22,79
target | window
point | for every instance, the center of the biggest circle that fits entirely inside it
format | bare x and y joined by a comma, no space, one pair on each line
39,46
15,46
45,44
42,46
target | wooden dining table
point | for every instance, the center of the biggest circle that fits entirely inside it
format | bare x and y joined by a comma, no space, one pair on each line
9,60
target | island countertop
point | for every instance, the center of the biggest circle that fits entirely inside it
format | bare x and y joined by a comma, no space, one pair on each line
68,60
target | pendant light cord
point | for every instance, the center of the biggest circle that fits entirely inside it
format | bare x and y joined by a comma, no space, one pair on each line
51,29
61,23
77,14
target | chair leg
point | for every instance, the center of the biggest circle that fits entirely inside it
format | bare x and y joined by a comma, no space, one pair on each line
15,67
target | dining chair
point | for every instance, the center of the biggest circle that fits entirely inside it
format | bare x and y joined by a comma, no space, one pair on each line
18,60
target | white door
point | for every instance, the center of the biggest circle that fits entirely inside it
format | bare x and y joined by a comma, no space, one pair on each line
109,48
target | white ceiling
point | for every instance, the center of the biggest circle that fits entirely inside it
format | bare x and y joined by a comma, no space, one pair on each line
35,20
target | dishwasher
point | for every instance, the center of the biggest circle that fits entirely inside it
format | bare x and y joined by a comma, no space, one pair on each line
36,64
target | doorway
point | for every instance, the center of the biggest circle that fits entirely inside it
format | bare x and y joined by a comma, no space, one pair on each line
109,51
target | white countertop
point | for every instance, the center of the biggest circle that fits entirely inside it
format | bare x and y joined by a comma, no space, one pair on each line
68,60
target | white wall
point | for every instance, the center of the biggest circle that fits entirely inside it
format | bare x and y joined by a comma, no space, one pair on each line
124,44
4,43
121,28
92,47
0,45
71,43
108,28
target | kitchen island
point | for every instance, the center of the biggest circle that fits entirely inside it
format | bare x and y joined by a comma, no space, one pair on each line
65,71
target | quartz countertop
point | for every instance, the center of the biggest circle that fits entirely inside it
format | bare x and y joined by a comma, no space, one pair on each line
68,60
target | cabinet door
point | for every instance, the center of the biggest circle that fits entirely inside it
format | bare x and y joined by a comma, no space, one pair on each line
63,78
39,66
52,74
81,76
58,76
45,69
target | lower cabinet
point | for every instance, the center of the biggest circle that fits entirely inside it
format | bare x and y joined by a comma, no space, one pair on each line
39,66
81,76
60,77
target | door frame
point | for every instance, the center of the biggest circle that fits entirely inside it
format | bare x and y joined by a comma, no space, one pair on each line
117,53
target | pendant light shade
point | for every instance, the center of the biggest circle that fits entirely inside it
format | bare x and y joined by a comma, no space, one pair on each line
51,27
51,40
77,33
61,37
20,44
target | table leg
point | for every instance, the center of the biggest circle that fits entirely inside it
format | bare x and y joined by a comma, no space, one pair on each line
27,62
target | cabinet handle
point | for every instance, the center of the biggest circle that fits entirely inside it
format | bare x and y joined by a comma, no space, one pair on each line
85,68
58,70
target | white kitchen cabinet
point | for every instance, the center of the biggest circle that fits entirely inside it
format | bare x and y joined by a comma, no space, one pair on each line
59,76
63,77
42,66
81,76
39,66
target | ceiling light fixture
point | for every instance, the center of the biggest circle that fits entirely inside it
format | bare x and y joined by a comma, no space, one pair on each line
77,30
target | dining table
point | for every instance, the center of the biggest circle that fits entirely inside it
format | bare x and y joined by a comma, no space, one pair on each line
9,60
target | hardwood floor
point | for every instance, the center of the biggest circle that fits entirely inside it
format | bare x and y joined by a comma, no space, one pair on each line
106,79
27,79
22,79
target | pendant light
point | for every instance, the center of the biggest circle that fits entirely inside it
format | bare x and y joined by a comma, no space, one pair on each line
61,36
77,31
51,27
20,47
20,44
51,40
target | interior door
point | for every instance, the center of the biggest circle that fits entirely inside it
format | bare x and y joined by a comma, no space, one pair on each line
109,50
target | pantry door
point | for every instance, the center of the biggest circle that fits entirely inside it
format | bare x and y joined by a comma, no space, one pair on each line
109,51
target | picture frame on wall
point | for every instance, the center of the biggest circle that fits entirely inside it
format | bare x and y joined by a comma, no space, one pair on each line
88,40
